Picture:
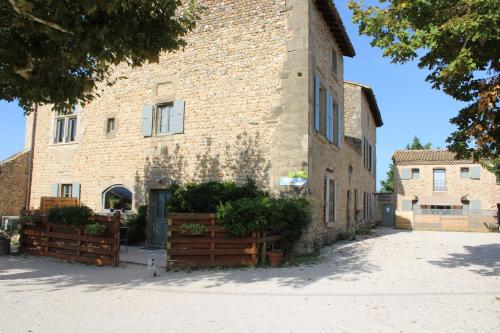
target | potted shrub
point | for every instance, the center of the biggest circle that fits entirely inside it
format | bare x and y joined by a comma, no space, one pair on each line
6,235
192,229
275,256
94,229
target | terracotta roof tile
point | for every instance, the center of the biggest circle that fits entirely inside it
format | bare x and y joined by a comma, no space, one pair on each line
428,156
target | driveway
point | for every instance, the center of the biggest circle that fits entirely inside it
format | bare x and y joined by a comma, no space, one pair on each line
395,282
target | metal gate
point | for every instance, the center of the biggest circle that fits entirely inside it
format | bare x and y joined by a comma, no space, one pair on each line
388,216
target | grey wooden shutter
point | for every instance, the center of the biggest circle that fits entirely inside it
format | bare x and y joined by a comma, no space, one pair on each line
76,190
329,116
177,125
317,83
405,173
475,172
147,120
55,190
325,198
406,205
475,205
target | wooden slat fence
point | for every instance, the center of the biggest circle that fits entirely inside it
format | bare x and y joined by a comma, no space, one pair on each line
48,202
70,244
214,248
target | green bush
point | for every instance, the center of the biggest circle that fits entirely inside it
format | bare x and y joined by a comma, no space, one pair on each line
243,216
206,197
287,217
290,218
76,216
94,229
136,233
347,236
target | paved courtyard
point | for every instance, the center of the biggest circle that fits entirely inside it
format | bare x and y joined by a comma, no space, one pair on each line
396,282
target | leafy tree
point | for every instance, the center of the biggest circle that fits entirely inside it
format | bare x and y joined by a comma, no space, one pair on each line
459,43
58,52
417,145
388,183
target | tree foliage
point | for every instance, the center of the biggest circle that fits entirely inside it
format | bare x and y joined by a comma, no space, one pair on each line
388,183
417,145
459,43
58,52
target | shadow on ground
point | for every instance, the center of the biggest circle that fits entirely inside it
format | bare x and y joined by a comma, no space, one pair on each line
344,261
483,259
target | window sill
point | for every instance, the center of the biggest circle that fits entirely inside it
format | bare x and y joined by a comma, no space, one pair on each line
63,144
330,225
325,140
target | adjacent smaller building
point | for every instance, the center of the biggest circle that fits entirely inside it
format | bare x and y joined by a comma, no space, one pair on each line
435,191
13,183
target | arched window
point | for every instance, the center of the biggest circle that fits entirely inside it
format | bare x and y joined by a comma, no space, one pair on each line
117,197
350,173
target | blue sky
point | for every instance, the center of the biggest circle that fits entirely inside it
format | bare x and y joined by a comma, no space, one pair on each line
408,104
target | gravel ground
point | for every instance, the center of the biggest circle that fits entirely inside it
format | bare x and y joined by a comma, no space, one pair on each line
396,282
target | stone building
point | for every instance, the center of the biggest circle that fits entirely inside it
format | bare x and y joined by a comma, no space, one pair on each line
13,183
257,92
433,182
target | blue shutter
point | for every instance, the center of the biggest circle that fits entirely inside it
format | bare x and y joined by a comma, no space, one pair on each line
177,125
76,190
406,205
475,205
329,116
405,173
55,190
339,124
147,120
317,83
475,172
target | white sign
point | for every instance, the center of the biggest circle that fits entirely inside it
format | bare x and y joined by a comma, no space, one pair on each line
287,181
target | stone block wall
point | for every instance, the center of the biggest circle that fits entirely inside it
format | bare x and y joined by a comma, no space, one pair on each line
484,189
13,183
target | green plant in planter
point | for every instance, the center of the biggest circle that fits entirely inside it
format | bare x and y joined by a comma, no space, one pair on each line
76,216
193,229
94,229
33,217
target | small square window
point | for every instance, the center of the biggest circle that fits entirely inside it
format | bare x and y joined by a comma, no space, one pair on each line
415,173
110,125
66,191
464,173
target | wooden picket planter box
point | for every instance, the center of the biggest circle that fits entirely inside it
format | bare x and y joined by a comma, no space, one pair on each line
214,248
70,244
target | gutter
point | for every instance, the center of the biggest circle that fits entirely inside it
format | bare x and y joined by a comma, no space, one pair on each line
32,155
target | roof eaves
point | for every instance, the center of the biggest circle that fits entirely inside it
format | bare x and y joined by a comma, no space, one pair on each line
334,22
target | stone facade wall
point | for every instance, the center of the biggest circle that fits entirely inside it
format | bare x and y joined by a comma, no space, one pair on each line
237,76
13,183
327,160
484,189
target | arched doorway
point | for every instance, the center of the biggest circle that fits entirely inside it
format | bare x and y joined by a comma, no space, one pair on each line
117,197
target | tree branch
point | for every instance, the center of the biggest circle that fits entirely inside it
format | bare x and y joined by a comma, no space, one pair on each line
37,19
